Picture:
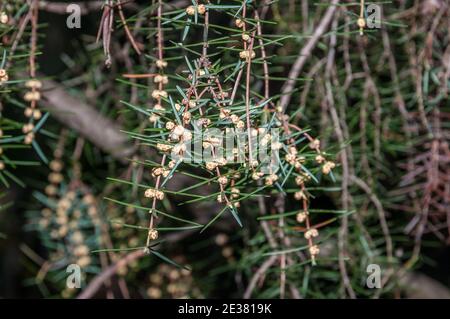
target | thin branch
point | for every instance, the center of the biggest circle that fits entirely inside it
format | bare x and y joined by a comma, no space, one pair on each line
81,117
98,281
304,54
261,271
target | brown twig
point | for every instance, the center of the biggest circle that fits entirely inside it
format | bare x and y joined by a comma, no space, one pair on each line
127,30
84,119
304,54
98,281
260,272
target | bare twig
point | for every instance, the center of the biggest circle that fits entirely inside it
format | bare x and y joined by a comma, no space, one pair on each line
304,54
261,271
98,281
82,118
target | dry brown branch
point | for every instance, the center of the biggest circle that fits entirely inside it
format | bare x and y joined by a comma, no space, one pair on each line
81,117
419,286
381,214
261,271
304,54
104,276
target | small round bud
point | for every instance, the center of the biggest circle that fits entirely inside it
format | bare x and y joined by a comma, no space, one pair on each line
311,233
81,250
157,171
314,250
201,9
315,144
221,239
157,78
361,22
245,37
3,76
153,118
154,293
84,261
170,125
153,234
158,107
159,195
32,96
239,23
235,192
156,94
149,193
327,167
4,17
301,217
178,130
299,195
55,178
77,237
56,165
161,64
163,147
227,252
37,114
161,79
223,180
27,128
187,117
190,10
50,190
320,159
29,138
211,165
247,54
33,84
172,164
